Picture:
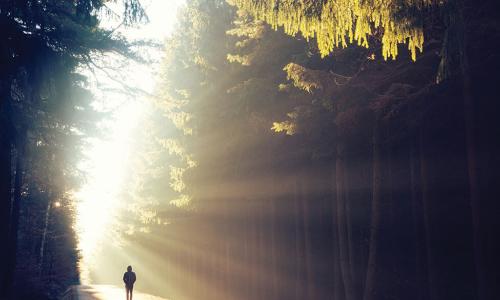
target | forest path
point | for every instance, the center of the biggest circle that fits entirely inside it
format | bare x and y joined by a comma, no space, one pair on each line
103,292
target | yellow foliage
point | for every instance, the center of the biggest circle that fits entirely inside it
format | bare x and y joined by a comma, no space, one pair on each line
174,147
177,183
176,180
337,23
303,78
182,201
181,120
244,60
286,126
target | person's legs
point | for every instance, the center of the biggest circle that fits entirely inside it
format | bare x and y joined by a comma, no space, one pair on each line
131,291
127,292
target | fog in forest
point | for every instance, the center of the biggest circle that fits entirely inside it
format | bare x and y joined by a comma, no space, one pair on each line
250,149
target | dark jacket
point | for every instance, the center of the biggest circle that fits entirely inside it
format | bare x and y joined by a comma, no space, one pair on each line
129,278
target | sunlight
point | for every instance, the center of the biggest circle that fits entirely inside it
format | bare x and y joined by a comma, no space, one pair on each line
249,149
107,158
104,292
98,200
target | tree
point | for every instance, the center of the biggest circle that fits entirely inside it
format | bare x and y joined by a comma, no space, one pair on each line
338,175
42,45
339,23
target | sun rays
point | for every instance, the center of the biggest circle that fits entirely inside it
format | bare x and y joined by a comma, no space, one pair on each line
100,201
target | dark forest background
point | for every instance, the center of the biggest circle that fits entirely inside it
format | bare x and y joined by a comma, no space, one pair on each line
302,169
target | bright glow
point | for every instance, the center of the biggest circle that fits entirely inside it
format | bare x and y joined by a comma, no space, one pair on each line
99,200
162,16
105,292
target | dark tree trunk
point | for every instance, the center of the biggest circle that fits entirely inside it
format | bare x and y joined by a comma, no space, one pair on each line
369,291
261,251
421,284
349,228
299,249
306,219
427,219
342,228
13,230
470,143
274,271
5,177
337,276
44,236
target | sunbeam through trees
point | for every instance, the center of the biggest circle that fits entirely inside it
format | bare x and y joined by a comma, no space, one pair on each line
332,149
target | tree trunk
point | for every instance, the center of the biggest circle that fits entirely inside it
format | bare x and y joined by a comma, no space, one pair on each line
299,254
427,220
254,254
369,290
342,230
306,216
274,271
337,284
420,262
13,230
349,228
247,285
44,237
261,252
470,143
227,271
5,177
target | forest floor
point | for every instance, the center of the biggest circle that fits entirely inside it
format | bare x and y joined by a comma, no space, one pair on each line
103,292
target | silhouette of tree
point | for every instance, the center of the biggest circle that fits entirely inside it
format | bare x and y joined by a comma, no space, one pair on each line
44,113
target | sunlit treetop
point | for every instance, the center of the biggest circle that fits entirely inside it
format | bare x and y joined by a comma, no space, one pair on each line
337,23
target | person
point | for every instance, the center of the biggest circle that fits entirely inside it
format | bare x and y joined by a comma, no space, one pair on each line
129,280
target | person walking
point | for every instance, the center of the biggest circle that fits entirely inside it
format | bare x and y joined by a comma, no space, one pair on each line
129,280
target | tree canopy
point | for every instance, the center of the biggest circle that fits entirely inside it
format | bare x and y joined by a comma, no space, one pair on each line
336,24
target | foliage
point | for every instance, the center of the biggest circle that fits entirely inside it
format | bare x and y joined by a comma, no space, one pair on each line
337,23
296,154
45,114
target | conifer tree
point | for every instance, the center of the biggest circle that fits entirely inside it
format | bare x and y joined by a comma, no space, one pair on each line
44,106
336,23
